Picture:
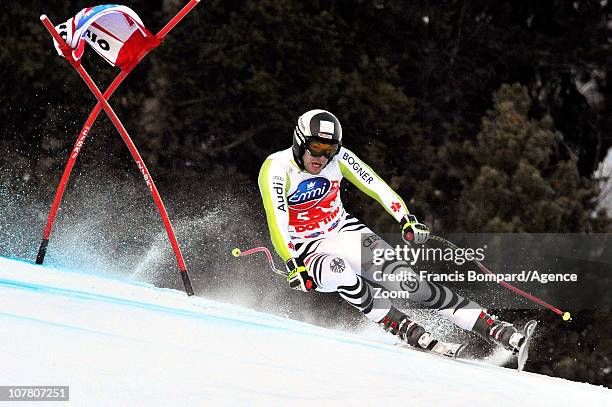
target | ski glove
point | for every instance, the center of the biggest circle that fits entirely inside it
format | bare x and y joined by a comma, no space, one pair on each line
298,277
414,231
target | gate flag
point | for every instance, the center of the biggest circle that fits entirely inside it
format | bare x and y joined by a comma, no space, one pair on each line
115,32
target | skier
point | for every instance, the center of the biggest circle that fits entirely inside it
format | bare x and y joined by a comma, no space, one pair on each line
322,245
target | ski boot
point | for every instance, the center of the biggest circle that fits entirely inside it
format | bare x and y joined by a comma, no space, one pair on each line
398,324
497,331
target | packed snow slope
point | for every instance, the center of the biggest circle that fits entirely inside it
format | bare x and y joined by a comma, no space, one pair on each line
122,343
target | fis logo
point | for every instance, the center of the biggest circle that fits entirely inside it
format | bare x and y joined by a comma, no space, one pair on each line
79,143
145,174
310,192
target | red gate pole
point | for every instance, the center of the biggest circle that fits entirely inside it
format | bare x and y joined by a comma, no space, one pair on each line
128,141
42,250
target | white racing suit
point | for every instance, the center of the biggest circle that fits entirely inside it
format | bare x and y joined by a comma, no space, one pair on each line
306,219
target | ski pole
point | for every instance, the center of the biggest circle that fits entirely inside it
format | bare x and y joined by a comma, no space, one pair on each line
236,252
565,315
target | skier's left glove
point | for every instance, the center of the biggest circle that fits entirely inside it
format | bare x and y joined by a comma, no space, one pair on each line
298,277
414,231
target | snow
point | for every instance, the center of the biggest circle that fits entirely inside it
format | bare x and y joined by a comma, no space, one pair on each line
118,342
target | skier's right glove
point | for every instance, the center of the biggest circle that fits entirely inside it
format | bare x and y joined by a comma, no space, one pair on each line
298,277
414,231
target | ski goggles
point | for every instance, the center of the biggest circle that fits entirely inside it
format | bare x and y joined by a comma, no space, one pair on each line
318,148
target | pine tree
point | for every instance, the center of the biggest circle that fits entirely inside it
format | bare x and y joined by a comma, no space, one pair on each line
524,180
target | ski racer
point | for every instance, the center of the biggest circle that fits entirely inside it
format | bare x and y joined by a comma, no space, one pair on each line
323,246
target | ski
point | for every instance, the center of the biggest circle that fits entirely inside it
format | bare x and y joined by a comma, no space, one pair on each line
524,350
447,349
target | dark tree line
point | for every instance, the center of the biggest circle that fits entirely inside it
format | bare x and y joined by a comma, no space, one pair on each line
486,116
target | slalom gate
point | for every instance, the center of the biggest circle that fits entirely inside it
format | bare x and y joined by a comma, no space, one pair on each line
118,35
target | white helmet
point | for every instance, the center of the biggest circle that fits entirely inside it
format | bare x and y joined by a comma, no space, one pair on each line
316,126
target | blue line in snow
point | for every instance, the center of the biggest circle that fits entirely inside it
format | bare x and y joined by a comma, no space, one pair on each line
187,313
59,269
63,326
